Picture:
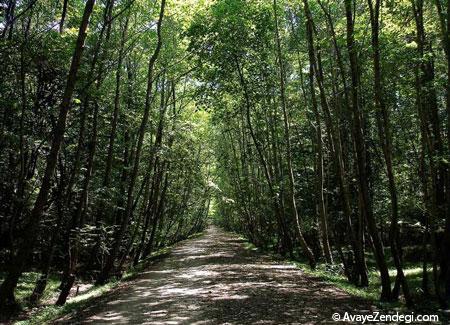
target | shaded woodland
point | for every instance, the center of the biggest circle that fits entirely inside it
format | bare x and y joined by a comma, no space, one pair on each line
332,133
102,154
318,129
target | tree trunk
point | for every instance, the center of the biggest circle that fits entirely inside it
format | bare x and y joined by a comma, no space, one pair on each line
360,272
63,16
431,133
7,288
445,263
323,223
41,283
105,273
115,117
361,157
277,206
306,250
154,162
384,133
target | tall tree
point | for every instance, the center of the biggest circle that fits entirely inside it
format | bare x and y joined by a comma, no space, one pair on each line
361,156
384,133
104,275
305,247
10,282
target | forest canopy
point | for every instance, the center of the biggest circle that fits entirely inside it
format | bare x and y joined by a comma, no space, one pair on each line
318,129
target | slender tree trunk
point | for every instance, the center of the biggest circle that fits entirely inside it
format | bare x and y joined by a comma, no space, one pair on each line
115,117
92,76
445,263
41,283
78,219
105,273
323,223
154,162
360,273
361,157
63,16
277,206
20,203
306,250
25,249
431,133
384,133
9,18
157,215
72,256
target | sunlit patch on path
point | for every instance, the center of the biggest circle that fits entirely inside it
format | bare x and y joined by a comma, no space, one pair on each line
215,280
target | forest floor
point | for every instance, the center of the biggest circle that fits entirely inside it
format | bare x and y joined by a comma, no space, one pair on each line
216,279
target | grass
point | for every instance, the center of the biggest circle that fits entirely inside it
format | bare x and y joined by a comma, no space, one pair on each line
26,285
413,273
45,314
158,255
372,292
334,275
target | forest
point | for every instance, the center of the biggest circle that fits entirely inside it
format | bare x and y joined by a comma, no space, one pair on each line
318,130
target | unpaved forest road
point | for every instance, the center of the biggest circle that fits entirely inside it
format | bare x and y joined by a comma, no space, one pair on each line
213,279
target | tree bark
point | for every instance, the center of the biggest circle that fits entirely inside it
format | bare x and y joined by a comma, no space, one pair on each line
445,262
384,133
7,288
361,157
105,273
63,16
305,247
323,223
359,274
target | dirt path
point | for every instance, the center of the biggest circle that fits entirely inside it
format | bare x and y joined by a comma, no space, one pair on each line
213,279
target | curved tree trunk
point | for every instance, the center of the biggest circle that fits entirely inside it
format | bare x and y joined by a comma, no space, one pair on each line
7,288
384,133
306,250
361,158
109,265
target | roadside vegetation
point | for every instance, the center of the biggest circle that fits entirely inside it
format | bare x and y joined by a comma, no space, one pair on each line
317,129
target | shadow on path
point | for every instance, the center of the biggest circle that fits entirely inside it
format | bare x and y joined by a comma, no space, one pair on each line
213,279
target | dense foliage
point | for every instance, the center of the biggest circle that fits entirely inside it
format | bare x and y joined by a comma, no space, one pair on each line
317,128
124,172
331,123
